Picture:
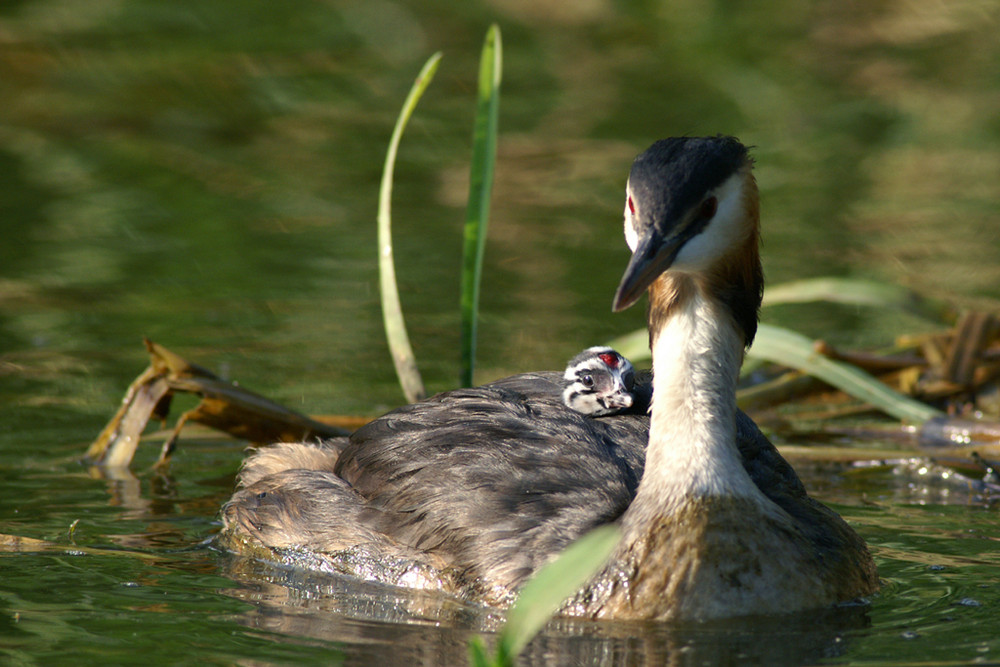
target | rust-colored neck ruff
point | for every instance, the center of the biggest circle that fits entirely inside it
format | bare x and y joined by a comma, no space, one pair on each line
735,279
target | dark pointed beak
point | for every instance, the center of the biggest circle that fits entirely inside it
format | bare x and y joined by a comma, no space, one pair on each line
652,257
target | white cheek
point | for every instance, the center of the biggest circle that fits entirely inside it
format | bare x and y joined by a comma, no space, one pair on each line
631,238
721,234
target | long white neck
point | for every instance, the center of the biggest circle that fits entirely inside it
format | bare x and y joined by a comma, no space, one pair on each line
697,353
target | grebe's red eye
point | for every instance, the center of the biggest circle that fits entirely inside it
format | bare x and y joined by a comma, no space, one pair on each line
708,208
631,206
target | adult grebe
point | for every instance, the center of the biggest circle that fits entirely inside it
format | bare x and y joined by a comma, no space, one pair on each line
700,539
471,491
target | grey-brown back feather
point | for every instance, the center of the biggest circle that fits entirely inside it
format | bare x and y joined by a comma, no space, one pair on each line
494,481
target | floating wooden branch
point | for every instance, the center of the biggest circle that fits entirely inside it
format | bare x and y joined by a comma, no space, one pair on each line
223,406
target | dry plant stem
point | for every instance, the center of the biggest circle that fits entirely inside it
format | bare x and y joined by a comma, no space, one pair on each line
224,406
873,363
972,334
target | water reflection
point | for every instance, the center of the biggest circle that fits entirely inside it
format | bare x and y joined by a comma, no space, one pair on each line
932,567
382,625
220,190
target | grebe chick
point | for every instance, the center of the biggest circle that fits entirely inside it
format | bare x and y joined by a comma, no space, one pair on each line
599,382
475,489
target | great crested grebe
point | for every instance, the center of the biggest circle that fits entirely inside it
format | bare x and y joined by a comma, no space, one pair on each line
599,382
472,490
701,539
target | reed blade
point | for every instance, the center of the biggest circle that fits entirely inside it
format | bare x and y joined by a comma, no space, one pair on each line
855,292
553,584
484,148
392,312
789,348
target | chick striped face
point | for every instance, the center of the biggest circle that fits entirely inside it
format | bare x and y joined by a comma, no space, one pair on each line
599,382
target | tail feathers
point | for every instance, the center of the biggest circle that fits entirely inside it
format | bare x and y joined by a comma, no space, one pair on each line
283,456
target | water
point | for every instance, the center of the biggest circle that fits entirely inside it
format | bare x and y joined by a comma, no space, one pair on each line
205,174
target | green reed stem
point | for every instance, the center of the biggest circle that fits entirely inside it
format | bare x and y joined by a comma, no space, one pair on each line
484,149
788,348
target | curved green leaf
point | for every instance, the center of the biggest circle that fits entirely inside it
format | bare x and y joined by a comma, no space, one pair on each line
786,347
392,312
553,584
789,348
853,292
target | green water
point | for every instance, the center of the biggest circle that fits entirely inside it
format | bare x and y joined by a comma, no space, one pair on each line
205,174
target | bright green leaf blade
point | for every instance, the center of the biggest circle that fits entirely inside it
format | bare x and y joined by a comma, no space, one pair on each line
853,292
553,584
835,290
479,657
484,149
789,348
392,313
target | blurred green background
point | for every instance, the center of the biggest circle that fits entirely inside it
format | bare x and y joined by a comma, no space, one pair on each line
206,174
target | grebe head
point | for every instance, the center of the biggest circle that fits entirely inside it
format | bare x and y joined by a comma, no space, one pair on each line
692,209
599,382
